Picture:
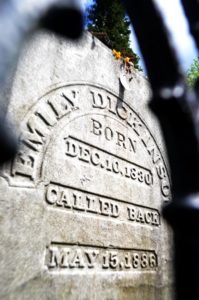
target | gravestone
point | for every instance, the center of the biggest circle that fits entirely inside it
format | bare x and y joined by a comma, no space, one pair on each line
81,201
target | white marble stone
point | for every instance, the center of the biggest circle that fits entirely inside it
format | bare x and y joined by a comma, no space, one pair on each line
80,213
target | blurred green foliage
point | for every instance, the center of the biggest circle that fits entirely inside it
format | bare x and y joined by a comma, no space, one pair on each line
193,72
107,20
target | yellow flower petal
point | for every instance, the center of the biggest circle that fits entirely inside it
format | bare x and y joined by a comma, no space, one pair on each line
118,55
127,60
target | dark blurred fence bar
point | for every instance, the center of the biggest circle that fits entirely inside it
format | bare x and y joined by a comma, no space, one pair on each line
176,109
18,20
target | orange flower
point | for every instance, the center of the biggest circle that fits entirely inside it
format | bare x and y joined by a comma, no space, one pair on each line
117,54
127,60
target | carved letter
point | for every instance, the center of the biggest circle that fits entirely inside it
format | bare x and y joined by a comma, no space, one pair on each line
78,260
58,258
71,148
91,256
24,164
96,127
114,210
98,100
131,213
78,201
120,140
95,158
35,137
105,206
122,112
52,194
108,133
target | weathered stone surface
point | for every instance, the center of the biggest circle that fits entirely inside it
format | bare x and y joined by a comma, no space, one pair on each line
80,204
